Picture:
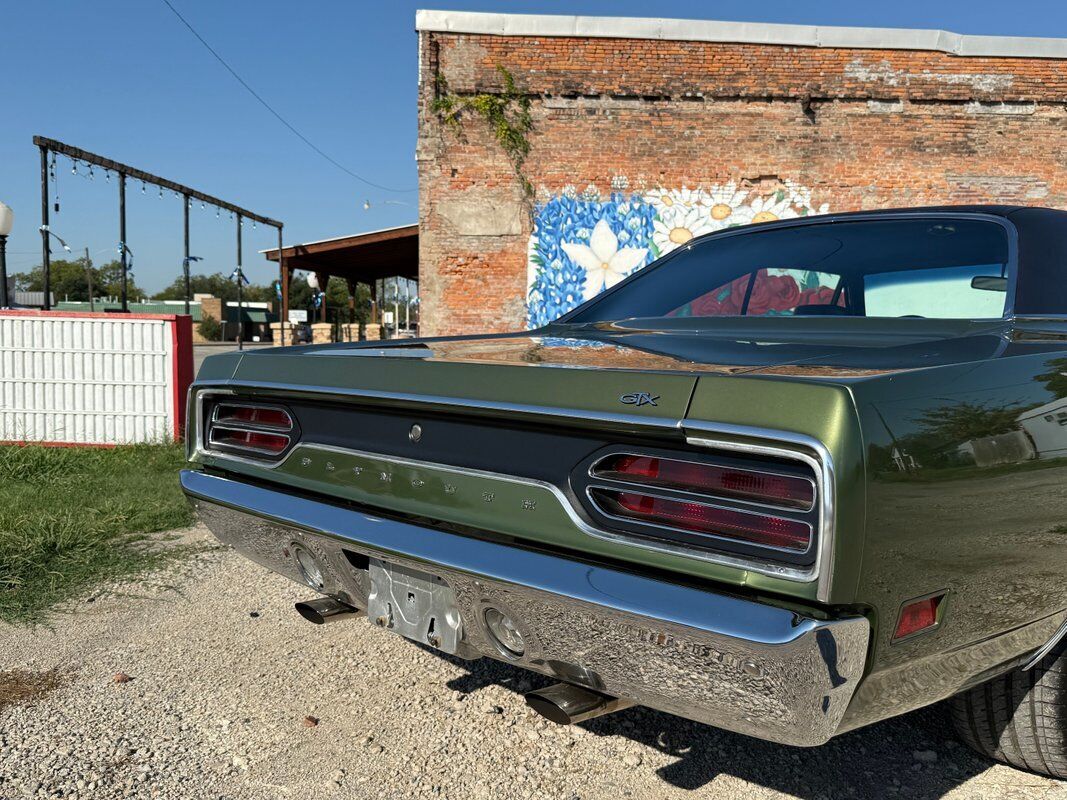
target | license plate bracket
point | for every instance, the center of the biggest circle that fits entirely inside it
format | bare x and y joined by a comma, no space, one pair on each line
417,605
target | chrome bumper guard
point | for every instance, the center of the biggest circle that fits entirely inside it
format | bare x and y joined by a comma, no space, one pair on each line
737,664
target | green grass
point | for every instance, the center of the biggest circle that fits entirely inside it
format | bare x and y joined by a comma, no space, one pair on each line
73,518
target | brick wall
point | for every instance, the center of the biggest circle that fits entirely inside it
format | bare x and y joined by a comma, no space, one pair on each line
792,129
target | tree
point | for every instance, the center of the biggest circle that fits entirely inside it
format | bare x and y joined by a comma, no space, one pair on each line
69,280
218,285
337,298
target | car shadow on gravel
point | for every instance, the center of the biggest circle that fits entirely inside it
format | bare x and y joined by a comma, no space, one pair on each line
913,756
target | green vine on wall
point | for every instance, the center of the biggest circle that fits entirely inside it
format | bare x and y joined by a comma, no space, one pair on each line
507,114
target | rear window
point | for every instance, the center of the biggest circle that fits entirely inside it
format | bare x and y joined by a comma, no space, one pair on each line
936,268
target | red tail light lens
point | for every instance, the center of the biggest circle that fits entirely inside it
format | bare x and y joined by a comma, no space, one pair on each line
917,615
259,441
769,531
742,484
254,415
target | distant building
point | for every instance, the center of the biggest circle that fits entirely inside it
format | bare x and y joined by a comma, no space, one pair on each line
27,299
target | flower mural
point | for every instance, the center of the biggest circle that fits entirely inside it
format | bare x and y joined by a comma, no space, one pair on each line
605,263
583,244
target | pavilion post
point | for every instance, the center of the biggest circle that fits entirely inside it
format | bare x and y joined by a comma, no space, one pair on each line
185,259
122,241
46,253
283,284
240,280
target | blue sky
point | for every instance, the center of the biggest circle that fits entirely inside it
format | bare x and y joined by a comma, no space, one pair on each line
125,79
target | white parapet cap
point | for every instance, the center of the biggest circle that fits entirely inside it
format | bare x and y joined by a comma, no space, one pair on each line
699,30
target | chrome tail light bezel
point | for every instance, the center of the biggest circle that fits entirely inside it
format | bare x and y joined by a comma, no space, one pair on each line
587,481
209,420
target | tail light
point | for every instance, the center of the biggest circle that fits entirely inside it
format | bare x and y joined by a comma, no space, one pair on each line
762,506
250,429
717,481
785,534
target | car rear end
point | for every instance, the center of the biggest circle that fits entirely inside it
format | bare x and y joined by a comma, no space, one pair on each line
667,536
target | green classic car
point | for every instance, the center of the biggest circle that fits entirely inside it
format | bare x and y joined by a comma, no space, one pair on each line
791,479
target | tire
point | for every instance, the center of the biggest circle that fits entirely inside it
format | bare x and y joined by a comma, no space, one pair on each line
1020,718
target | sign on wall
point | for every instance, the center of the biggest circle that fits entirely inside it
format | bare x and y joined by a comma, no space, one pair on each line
93,378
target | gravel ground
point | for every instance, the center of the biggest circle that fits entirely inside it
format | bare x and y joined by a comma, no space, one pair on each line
213,687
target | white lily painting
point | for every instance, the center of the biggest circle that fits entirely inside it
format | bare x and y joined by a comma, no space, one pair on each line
604,262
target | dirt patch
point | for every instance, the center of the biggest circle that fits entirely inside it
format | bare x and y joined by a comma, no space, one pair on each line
19,686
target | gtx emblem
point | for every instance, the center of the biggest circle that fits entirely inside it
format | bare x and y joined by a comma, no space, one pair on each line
639,399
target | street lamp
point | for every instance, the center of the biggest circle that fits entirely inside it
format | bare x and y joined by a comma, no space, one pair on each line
7,219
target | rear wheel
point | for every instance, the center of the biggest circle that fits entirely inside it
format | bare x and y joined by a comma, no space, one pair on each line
1020,718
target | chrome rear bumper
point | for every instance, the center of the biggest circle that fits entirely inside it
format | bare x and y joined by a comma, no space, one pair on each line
733,663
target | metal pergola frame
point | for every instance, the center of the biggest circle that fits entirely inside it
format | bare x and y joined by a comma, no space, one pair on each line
188,194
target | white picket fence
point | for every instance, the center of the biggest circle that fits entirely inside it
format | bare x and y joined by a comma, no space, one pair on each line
73,378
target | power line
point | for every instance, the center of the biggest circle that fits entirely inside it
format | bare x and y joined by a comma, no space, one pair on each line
279,117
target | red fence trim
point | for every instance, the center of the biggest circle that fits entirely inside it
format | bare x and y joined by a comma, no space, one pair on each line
181,331
36,312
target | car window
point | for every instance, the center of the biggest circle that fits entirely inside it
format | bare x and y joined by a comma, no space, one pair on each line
949,293
939,267
767,292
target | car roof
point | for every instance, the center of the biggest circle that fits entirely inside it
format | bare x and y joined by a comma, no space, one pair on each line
998,210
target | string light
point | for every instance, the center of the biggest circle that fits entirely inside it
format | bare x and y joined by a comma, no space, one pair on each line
142,187
92,176
73,167
160,192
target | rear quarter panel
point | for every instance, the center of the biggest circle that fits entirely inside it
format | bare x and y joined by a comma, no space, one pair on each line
966,493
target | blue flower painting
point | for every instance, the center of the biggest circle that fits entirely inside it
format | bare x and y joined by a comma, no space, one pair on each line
582,246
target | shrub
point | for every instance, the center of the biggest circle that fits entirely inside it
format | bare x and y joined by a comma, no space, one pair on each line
210,329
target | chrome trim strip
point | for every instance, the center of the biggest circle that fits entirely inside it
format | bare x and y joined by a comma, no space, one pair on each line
809,450
756,668
1046,648
223,426
715,537
422,401
253,425
697,493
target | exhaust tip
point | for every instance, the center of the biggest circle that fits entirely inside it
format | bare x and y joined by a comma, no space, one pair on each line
547,709
566,704
325,609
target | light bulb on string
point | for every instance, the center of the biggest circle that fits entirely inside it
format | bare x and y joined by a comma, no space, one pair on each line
107,176
216,212
92,176
160,192
73,167
142,187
